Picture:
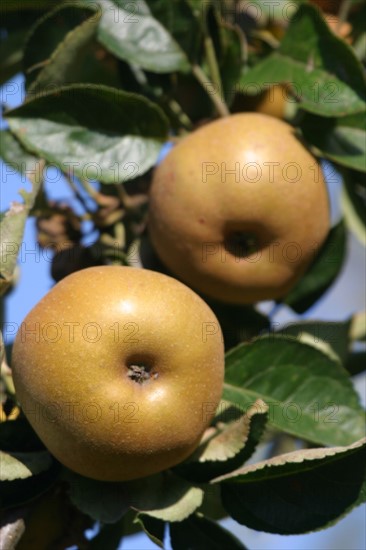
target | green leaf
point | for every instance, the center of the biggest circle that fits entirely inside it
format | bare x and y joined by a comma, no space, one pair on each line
18,158
231,58
200,533
334,333
65,64
238,323
342,140
356,363
16,5
166,497
23,465
101,500
179,18
12,223
354,203
108,538
129,30
153,528
24,476
308,393
226,445
18,436
11,50
322,69
322,273
296,492
57,46
91,131
224,441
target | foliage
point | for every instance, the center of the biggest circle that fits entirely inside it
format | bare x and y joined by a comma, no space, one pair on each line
107,83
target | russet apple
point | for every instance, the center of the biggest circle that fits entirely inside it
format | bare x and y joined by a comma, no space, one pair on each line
239,208
119,370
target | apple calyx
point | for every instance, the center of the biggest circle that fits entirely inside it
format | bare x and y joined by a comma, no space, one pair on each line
141,373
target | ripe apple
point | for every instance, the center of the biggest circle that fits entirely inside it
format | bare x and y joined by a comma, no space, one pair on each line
119,370
342,30
274,101
239,208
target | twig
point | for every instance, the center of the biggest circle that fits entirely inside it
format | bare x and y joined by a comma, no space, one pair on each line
76,192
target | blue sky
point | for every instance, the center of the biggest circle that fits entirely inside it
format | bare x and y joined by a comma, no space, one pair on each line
346,297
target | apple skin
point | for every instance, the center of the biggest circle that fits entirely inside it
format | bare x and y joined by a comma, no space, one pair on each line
204,220
74,374
273,101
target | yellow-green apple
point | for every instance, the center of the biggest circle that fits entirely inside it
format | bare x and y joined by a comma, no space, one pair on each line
119,370
239,208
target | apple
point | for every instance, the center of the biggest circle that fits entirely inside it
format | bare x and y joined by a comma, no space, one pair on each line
238,209
119,370
341,29
274,101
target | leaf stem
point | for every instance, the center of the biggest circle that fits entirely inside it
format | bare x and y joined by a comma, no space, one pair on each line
95,195
214,94
212,63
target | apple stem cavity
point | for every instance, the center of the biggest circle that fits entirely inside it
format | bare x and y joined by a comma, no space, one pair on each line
241,244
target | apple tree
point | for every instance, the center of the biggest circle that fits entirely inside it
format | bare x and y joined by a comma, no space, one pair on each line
109,85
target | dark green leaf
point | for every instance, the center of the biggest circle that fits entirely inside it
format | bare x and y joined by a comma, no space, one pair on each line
94,132
101,500
18,436
322,273
334,333
308,393
108,538
19,491
322,69
178,17
200,533
154,528
231,59
342,140
297,492
21,5
129,30
57,46
11,54
354,203
356,363
238,323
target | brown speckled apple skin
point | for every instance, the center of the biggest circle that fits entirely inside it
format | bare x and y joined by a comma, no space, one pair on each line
73,382
284,205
